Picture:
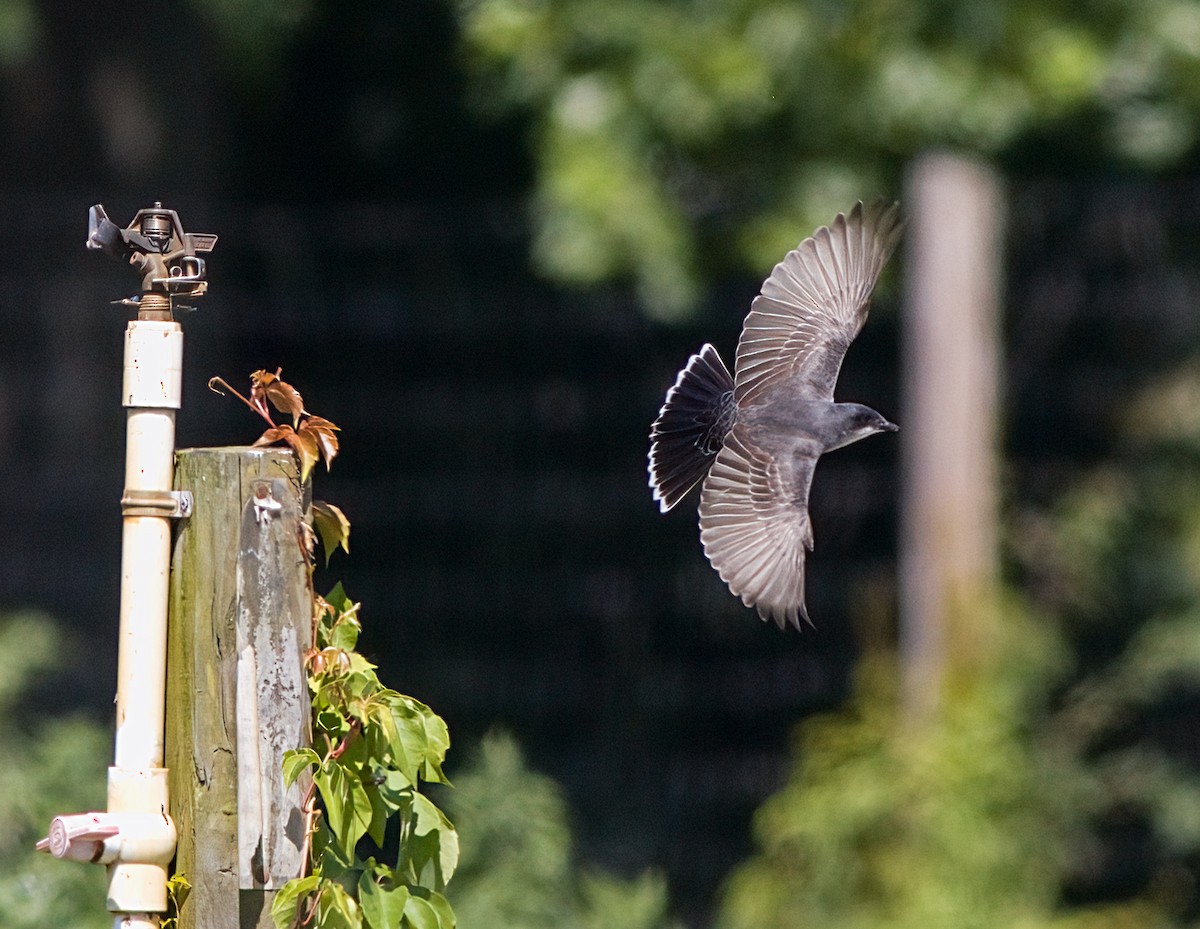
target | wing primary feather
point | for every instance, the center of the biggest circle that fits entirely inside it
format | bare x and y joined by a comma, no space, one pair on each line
814,303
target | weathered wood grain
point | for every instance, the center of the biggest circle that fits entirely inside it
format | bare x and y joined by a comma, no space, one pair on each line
236,696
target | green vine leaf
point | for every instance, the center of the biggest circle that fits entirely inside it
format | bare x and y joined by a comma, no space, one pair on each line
420,915
428,909
432,847
296,761
178,888
347,805
382,906
372,746
437,737
381,812
336,909
344,634
338,601
285,906
441,906
333,528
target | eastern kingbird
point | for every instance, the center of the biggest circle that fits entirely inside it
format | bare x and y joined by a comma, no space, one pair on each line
754,438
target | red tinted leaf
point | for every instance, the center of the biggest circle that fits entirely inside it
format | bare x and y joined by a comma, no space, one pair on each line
305,446
283,396
273,435
325,434
258,395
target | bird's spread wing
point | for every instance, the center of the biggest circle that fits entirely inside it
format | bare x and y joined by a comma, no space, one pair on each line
754,525
814,304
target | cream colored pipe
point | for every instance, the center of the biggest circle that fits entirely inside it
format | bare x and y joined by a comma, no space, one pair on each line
137,781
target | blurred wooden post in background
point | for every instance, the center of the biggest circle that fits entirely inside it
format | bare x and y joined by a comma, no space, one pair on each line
948,532
237,698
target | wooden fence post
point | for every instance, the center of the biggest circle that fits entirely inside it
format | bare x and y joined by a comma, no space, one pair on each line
948,547
237,698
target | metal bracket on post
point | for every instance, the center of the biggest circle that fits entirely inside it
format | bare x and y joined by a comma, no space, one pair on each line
175,504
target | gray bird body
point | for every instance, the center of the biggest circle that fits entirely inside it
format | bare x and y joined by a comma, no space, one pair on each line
754,439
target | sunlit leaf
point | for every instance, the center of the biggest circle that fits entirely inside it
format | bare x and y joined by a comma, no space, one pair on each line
304,444
296,761
326,436
421,914
439,904
337,909
273,435
288,899
382,906
400,786
328,722
357,824
361,686
331,782
433,843
178,889
409,745
332,526
344,634
437,737
347,806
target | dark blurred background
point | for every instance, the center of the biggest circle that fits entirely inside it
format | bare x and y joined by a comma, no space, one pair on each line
483,238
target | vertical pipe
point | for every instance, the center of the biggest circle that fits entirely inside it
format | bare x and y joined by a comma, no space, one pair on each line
151,392
145,563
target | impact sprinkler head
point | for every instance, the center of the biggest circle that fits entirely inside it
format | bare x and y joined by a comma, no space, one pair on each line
155,244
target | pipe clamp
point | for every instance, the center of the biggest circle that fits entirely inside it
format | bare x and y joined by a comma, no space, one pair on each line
173,504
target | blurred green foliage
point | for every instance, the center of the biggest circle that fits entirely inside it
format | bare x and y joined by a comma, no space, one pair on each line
960,822
256,35
56,764
670,133
518,868
19,31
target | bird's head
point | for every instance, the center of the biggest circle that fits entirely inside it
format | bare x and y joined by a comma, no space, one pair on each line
858,422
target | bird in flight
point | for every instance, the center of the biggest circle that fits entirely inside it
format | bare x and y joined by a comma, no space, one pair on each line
753,439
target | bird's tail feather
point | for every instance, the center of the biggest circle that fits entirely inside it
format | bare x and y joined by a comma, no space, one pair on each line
691,426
